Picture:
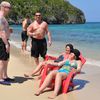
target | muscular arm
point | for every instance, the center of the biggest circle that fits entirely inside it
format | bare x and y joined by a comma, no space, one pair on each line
56,63
49,36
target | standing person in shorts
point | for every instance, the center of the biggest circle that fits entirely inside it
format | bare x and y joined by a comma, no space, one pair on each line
26,22
4,41
38,30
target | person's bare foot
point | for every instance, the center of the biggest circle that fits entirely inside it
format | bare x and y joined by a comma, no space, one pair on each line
37,93
52,96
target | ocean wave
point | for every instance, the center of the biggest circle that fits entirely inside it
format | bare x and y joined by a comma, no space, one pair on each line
93,62
88,60
18,45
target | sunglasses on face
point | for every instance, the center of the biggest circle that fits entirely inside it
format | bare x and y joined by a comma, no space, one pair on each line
7,7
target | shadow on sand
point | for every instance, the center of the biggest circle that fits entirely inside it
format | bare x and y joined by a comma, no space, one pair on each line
20,79
79,83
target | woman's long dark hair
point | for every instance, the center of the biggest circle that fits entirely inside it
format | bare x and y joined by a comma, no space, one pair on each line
77,54
71,47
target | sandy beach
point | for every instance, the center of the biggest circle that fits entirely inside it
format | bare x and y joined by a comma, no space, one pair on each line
87,83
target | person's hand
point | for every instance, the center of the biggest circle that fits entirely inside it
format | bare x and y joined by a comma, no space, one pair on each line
10,30
7,48
33,34
30,34
49,43
49,62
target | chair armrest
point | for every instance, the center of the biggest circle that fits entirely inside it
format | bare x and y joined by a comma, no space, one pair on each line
48,57
83,60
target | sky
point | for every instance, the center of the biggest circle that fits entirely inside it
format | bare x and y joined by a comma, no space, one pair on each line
89,7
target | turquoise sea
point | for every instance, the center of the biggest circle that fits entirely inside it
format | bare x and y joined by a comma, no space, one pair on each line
85,37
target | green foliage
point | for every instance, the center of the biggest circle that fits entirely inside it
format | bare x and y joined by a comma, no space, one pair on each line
54,11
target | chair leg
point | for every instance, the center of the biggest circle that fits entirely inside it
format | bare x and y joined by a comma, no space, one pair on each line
71,87
66,83
65,86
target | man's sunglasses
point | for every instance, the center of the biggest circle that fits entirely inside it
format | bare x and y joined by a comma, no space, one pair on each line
7,7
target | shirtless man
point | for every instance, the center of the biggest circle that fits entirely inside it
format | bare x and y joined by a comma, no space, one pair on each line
26,22
4,43
37,30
